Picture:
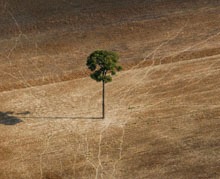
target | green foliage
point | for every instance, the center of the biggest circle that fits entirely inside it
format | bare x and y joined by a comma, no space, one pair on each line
103,64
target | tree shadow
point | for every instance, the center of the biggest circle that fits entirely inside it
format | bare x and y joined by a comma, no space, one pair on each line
7,118
26,114
60,117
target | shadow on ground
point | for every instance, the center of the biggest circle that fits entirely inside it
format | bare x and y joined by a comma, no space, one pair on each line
60,117
27,114
7,118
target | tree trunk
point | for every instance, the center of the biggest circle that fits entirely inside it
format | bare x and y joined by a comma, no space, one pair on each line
103,99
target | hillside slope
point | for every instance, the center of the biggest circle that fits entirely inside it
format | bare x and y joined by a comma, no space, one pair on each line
163,109
162,122
64,34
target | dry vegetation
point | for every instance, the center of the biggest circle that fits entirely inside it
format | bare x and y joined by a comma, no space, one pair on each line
163,110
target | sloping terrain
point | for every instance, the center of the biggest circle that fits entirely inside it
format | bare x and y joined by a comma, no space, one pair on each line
162,122
163,110
56,51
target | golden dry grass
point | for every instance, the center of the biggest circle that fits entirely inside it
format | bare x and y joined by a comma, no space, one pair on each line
163,110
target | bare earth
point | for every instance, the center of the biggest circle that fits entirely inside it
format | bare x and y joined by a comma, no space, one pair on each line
163,109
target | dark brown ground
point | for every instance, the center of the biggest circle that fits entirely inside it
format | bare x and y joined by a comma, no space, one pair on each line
162,110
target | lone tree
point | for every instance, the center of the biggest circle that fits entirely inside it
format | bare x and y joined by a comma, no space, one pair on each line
103,65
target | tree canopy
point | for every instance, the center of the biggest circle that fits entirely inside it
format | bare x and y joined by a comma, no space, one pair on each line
103,64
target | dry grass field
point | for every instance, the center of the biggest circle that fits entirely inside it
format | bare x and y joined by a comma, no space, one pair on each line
163,109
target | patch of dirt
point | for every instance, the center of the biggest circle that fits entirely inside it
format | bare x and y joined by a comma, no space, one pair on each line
162,111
